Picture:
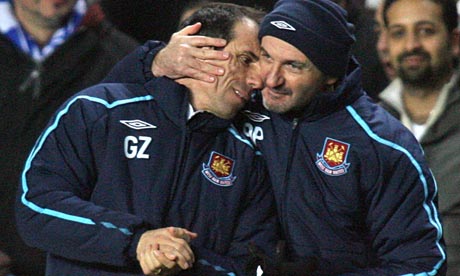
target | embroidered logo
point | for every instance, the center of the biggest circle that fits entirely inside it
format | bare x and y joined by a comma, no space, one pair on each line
256,117
219,170
283,25
137,124
333,159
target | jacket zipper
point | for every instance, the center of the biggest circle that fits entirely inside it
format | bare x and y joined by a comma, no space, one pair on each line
292,147
177,179
34,81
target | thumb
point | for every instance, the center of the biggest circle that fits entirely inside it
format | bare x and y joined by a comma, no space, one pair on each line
190,29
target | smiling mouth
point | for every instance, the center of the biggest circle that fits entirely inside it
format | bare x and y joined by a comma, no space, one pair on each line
242,95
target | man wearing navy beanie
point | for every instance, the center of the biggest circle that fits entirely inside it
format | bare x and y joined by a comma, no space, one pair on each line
319,29
354,193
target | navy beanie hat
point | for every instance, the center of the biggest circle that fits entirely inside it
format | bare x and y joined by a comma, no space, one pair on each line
318,28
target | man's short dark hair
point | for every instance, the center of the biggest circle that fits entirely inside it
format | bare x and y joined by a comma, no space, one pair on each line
448,7
218,19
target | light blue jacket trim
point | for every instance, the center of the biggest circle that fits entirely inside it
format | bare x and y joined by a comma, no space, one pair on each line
429,207
233,131
38,147
216,268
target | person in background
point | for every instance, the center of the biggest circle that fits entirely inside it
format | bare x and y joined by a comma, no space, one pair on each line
361,15
423,45
353,190
134,179
138,18
382,43
50,49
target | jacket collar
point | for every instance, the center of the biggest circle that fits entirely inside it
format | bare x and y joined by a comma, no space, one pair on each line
392,95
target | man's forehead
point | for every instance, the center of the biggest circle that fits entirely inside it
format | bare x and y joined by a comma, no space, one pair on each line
275,46
245,37
403,11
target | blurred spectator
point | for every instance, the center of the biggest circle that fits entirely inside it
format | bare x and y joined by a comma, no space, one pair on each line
382,43
51,49
423,44
362,16
141,18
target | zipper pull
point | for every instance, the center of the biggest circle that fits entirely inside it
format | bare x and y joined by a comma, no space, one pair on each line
33,80
295,122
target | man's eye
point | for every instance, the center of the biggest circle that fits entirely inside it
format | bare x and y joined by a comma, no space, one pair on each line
427,31
299,66
245,60
296,66
397,34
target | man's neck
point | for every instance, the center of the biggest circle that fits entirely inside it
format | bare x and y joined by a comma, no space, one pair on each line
419,102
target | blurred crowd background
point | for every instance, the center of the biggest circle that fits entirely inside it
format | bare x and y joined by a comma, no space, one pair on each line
157,19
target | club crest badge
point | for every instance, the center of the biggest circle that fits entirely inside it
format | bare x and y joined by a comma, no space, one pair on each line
219,170
333,159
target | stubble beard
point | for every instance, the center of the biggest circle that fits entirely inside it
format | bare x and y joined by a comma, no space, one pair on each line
426,76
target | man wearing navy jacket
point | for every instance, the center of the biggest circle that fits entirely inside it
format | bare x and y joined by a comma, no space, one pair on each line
353,190
154,179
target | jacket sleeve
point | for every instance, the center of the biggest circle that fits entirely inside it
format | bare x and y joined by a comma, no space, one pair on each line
403,221
53,209
136,66
257,225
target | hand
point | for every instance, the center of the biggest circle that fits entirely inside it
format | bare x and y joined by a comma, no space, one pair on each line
167,249
155,262
190,56
5,263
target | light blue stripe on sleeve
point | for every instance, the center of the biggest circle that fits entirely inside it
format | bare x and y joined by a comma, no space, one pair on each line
216,268
428,203
38,147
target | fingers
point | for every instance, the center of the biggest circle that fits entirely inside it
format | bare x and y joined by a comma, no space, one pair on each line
190,29
185,36
182,233
164,260
188,55
183,258
169,259
199,69
204,41
171,242
149,263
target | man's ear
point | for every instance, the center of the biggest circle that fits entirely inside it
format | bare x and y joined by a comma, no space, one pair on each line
330,84
331,81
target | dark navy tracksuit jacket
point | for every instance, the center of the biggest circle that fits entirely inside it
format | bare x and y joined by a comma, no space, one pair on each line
120,159
351,184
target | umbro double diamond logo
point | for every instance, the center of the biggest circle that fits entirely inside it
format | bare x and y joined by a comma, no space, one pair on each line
283,25
137,124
